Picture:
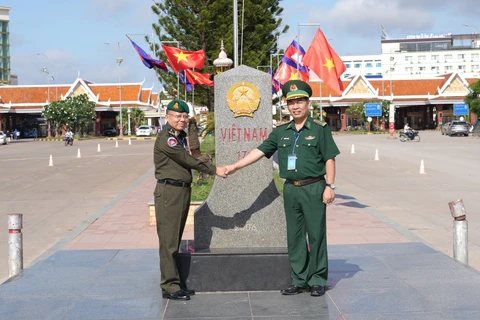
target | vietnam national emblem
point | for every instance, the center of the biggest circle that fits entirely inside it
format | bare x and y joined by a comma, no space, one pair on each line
243,98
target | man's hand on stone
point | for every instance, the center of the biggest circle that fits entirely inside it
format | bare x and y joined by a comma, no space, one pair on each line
221,172
230,169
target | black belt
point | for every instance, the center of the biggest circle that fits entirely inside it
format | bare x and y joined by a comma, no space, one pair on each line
299,183
176,183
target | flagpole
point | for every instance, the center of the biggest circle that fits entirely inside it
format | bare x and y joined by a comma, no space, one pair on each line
321,110
185,84
235,33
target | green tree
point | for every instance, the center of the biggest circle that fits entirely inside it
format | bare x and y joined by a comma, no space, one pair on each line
137,118
202,24
73,112
357,111
473,98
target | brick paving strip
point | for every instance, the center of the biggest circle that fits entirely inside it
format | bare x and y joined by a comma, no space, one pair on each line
126,225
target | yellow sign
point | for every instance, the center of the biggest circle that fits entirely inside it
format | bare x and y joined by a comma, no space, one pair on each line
243,98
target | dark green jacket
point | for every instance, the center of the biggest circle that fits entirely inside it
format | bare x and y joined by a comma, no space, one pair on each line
171,158
315,145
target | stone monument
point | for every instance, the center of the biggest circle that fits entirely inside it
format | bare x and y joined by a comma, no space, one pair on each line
240,232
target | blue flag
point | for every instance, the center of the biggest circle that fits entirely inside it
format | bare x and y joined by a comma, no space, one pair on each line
188,85
147,60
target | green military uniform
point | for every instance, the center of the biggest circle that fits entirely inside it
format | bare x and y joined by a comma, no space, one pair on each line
173,165
305,211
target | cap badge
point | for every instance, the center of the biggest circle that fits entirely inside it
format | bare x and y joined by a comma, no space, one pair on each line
293,87
175,106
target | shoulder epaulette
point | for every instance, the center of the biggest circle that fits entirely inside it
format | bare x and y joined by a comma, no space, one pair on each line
320,123
283,124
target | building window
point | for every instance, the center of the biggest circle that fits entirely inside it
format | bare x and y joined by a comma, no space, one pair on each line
357,65
346,75
475,56
448,68
368,65
475,67
422,68
379,64
409,69
408,58
379,73
434,69
392,69
461,56
421,58
368,74
348,65
434,57
462,68
448,57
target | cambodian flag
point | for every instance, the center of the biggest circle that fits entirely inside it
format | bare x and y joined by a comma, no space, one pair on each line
188,85
147,60
276,86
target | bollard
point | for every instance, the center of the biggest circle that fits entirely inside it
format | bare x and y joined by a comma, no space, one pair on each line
15,244
460,231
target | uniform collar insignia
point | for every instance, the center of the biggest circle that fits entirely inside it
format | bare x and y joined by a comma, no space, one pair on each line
309,138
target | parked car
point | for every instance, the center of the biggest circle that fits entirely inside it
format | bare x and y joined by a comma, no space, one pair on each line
445,127
458,127
153,129
110,132
143,131
3,138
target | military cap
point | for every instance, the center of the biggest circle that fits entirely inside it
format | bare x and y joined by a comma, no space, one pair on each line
294,89
178,105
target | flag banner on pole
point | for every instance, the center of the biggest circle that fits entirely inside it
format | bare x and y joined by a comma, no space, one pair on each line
276,86
147,60
325,62
293,56
286,72
199,78
181,60
188,85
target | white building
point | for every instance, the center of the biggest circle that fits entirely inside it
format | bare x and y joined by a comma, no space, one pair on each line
369,66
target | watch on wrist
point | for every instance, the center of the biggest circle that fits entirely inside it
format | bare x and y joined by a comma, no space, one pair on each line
331,185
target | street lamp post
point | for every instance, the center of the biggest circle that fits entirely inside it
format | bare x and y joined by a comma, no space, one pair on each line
129,130
45,70
469,25
119,61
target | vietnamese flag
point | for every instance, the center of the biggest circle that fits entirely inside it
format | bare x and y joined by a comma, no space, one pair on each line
181,60
198,78
325,62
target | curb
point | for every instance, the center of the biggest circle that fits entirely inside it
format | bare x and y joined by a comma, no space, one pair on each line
135,138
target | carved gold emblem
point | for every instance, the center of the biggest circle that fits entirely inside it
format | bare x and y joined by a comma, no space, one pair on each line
175,106
293,87
243,99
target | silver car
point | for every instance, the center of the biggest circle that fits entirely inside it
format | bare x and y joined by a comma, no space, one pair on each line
3,138
445,127
458,128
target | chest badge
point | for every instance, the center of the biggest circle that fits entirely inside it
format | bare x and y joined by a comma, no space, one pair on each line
172,142
284,138
309,138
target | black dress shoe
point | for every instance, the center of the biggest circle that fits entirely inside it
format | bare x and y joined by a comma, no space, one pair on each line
317,291
177,295
188,292
293,290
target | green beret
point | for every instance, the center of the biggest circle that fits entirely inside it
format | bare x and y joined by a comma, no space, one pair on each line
295,89
178,105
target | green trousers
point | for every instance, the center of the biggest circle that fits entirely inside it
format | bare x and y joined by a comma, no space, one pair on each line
171,211
305,215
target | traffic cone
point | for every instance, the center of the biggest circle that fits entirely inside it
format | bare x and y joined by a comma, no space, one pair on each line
79,155
353,149
129,141
422,167
376,155
116,143
50,163
98,148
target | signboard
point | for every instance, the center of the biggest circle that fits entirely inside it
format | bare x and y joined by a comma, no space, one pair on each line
373,109
460,109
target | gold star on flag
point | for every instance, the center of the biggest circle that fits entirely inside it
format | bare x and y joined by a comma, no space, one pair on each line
181,56
293,76
329,64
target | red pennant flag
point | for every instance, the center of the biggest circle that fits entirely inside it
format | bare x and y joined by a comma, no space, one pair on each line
198,78
325,62
181,60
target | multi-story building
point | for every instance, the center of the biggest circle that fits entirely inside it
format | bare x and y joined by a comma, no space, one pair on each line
369,66
429,54
4,45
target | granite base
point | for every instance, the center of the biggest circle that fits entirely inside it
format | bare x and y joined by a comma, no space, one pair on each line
238,269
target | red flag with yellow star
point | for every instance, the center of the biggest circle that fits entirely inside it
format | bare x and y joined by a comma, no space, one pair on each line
325,62
198,78
180,59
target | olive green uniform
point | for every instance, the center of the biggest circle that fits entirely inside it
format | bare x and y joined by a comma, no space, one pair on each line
173,164
305,214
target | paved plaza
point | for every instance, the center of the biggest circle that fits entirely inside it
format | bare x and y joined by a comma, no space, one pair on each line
90,252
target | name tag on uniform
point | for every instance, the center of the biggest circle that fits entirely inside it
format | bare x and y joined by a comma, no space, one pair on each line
292,161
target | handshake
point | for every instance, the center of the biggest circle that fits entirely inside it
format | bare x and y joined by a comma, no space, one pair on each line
224,171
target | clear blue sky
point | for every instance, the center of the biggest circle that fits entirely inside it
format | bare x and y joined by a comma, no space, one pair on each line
72,34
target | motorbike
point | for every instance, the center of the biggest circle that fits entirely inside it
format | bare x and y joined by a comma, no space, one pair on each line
68,141
412,137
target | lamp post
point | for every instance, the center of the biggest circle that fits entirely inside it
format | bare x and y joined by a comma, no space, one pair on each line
469,25
119,62
45,70
129,130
